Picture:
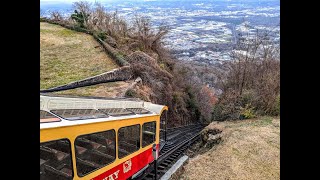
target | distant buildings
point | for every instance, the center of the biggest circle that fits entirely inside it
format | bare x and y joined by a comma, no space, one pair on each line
205,31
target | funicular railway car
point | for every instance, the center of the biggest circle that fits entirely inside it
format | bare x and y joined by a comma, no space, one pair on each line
95,138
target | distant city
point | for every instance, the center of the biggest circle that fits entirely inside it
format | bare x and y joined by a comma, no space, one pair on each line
202,31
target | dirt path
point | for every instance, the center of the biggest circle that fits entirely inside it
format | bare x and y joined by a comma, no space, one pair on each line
113,89
250,150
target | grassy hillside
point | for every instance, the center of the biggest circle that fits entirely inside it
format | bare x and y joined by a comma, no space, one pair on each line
67,56
250,150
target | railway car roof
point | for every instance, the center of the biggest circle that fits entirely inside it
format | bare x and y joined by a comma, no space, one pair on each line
57,111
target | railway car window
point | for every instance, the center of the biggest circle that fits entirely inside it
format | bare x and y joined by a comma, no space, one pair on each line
94,151
116,111
47,117
128,140
79,114
55,160
139,110
148,133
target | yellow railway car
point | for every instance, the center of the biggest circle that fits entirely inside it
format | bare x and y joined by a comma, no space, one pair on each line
96,138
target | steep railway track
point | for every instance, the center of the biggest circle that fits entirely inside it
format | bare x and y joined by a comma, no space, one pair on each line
178,140
175,137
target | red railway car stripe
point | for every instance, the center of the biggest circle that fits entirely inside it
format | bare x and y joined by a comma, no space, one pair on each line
128,168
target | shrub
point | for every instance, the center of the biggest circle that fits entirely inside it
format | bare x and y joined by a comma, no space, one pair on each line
101,35
80,29
247,112
130,93
162,65
247,97
119,57
276,108
80,18
217,114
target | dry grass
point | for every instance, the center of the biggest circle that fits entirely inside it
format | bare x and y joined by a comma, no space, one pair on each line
250,150
67,56
113,89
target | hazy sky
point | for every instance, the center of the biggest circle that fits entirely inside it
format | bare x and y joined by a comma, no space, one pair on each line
118,0
62,0
70,1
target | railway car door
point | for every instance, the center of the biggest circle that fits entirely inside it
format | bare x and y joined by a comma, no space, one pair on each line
163,128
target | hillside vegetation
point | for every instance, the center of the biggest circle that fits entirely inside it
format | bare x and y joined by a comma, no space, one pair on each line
245,87
67,56
141,46
250,150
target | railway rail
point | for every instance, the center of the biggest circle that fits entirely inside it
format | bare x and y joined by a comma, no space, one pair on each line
178,140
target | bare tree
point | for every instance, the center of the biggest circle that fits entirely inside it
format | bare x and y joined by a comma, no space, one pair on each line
83,9
56,16
97,18
143,32
100,19
252,76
